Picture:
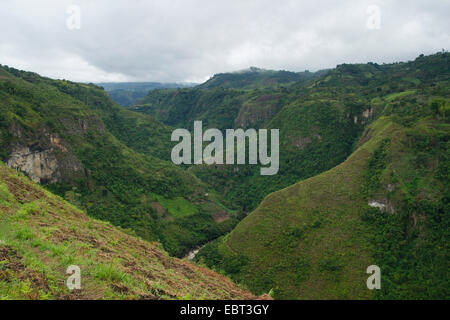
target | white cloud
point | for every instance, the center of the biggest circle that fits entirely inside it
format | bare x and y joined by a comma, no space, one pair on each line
185,40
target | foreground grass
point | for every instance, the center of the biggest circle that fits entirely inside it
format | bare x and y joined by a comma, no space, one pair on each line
41,235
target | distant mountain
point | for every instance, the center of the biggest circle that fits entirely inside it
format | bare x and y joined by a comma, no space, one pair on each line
128,93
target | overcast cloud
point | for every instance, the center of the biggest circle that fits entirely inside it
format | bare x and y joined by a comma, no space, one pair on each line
190,40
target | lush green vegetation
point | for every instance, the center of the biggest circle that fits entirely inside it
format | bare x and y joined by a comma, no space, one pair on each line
128,93
316,134
320,117
363,177
316,238
109,158
411,246
41,235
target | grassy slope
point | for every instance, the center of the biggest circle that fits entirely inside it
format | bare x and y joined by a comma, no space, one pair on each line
315,238
41,235
295,232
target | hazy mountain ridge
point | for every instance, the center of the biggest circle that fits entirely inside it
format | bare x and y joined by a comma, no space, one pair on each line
128,93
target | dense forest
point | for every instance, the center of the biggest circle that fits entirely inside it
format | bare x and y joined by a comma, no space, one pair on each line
129,93
105,159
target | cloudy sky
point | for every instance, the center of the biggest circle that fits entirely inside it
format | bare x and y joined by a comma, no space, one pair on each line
190,40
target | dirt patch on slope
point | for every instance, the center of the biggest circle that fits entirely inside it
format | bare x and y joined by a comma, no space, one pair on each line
220,216
12,268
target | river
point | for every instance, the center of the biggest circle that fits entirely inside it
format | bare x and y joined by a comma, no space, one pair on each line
191,254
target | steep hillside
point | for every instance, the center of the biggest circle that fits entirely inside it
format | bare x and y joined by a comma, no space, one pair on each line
316,134
240,99
217,107
142,133
41,235
319,119
104,158
386,205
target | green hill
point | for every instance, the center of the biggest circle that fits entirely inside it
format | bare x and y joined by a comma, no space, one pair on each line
41,235
108,160
386,205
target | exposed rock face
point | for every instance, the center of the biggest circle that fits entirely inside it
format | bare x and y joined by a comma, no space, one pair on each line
38,165
384,205
250,116
368,113
260,109
47,161
376,204
81,125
